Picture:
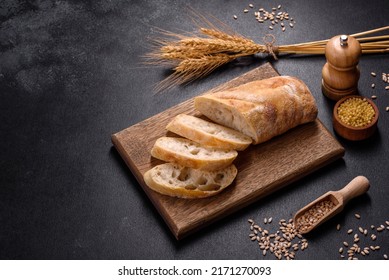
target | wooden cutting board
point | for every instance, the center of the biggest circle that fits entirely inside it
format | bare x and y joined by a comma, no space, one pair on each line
262,169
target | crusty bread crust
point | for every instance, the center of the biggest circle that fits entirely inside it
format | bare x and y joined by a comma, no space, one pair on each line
183,182
208,134
191,154
261,109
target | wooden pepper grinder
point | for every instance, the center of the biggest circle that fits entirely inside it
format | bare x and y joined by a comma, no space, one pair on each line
340,73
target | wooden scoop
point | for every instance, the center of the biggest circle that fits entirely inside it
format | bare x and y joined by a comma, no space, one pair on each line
336,202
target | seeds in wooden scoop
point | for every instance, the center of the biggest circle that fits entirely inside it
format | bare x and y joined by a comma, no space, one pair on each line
312,215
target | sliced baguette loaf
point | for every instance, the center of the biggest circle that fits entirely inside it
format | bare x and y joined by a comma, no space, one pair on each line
191,154
184,182
261,109
208,134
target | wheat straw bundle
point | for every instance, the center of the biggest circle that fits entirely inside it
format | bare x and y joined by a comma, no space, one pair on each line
196,54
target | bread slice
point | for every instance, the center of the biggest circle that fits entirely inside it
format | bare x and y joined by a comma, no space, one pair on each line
261,109
184,182
191,154
208,134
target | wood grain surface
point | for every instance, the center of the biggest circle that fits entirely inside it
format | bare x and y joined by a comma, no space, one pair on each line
262,169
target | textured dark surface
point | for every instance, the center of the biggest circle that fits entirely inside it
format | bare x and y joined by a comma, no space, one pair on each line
71,75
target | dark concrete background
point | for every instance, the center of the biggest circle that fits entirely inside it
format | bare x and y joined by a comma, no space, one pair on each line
71,74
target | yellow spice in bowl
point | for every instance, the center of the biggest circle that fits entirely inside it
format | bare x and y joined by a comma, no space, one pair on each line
356,112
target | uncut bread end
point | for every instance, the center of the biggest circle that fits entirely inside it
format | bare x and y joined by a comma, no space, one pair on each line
185,182
208,133
191,154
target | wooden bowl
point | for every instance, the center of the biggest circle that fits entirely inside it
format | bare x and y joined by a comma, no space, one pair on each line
351,132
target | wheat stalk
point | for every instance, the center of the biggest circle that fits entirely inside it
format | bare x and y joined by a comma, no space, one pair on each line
195,55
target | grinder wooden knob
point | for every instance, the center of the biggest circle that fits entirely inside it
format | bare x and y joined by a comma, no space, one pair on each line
341,74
